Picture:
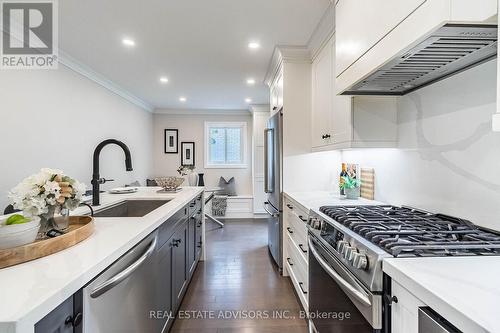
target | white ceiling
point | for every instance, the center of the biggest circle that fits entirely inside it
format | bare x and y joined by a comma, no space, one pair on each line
200,45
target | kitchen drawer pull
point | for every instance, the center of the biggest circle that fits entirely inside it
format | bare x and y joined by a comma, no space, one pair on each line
289,261
302,218
289,206
302,289
289,230
118,278
301,247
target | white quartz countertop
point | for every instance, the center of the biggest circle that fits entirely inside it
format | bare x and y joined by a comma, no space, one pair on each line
463,290
29,291
316,199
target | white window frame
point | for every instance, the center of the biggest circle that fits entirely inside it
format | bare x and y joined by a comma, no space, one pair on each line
235,124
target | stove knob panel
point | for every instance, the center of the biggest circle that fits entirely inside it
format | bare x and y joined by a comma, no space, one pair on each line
360,261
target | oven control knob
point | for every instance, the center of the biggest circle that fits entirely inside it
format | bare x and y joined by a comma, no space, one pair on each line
347,252
316,224
341,245
360,261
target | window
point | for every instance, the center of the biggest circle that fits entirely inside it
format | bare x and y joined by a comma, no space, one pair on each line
225,145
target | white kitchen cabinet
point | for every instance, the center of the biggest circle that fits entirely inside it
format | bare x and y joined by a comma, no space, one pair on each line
322,101
339,122
404,312
295,248
277,94
370,33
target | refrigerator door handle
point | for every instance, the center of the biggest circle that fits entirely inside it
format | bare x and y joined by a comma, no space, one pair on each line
267,210
268,167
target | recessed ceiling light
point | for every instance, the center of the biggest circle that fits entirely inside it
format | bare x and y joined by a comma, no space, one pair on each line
253,45
163,79
182,99
250,81
248,100
128,42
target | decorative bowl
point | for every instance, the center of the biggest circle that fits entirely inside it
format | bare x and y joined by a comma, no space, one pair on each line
18,234
169,183
14,228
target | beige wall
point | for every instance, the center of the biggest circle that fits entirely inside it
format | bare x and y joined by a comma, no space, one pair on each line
55,118
191,128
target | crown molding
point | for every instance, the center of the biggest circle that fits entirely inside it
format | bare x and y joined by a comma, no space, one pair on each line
78,67
286,54
211,112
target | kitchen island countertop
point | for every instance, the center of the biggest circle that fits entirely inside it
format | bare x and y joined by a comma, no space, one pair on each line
29,291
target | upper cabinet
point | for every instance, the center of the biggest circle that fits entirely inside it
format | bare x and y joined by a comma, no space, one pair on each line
339,122
277,93
374,37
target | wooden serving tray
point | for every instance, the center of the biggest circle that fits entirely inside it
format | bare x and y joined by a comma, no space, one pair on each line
80,227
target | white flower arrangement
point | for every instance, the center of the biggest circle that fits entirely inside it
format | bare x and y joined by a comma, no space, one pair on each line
45,192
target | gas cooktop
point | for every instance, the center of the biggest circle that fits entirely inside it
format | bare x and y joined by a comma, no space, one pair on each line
409,232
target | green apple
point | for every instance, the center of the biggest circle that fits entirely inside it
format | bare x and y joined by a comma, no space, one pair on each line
16,219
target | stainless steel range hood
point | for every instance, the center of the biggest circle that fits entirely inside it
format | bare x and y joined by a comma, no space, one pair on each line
445,52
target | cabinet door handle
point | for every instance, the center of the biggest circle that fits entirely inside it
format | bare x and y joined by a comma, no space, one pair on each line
289,206
289,230
289,261
176,242
302,289
274,108
301,247
302,218
326,136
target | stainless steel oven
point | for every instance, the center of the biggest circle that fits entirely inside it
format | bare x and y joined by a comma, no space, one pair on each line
338,301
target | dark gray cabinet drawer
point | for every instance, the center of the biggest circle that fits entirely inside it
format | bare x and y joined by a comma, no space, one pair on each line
66,318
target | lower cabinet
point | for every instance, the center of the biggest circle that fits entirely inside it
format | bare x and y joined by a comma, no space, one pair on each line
178,250
179,264
192,244
404,313
66,318
198,234
295,249
164,285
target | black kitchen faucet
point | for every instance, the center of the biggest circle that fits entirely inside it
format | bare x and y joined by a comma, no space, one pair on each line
96,180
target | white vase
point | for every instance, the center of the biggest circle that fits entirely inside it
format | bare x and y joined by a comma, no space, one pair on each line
193,179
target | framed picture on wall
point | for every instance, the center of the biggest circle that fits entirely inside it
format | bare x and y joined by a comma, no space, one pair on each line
187,153
171,141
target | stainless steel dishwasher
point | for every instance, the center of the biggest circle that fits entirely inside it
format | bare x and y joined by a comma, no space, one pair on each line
120,299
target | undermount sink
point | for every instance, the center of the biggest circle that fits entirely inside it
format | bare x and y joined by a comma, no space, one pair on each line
130,208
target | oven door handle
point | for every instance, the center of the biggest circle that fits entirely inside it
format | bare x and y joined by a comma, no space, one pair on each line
346,286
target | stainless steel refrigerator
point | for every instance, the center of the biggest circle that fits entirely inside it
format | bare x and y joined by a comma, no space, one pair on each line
273,185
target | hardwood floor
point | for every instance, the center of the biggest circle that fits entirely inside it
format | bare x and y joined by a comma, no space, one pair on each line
237,283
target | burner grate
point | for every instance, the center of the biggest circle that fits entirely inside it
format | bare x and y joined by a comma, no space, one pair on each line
409,232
